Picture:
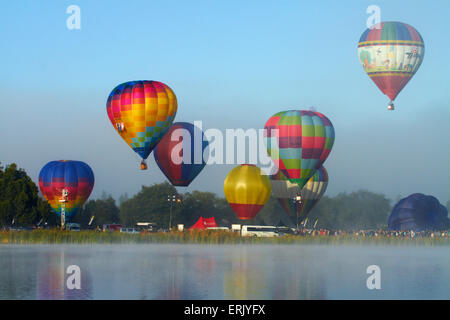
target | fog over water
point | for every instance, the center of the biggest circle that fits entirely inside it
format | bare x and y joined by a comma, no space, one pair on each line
165,271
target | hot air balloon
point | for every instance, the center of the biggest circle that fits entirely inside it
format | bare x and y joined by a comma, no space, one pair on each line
179,154
285,192
299,142
311,193
142,112
247,189
419,212
391,53
66,185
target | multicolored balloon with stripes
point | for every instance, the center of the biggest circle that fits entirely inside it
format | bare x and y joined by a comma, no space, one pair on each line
285,192
141,113
247,189
299,142
180,152
74,176
391,53
311,193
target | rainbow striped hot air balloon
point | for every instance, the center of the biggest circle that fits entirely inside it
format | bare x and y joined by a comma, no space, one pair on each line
299,142
179,154
391,53
247,189
74,176
311,193
142,112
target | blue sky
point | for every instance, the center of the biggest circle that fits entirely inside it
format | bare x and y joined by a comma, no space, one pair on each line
232,64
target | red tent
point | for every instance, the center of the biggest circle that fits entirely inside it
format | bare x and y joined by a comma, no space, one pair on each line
204,223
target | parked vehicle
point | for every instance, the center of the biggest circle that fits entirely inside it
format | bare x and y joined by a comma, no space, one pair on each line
259,231
111,227
286,230
146,226
236,228
16,229
129,230
218,228
73,226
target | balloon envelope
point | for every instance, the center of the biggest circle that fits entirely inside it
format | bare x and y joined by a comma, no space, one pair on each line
247,189
141,113
418,212
391,53
311,193
299,142
75,176
179,154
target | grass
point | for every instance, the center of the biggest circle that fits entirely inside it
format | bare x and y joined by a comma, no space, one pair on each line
56,236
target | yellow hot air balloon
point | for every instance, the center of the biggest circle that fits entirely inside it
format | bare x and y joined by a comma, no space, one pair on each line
247,189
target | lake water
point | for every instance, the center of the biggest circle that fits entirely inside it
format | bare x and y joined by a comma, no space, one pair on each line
281,272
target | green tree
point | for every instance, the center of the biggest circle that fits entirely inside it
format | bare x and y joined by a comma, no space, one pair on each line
104,211
205,204
19,200
150,205
272,214
122,198
357,210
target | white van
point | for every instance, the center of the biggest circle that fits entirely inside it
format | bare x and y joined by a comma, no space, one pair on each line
259,231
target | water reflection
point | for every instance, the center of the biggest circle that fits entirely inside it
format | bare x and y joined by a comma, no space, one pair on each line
52,277
254,274
222,272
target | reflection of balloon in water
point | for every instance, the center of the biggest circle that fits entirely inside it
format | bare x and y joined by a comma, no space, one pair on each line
311,193
247,189
391,53
418,212
304,141
179,154
75,176
142,112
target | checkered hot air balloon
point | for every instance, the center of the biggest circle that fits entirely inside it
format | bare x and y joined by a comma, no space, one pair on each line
179,154
299,141
391,53
247,189
74,176
141,112
285,191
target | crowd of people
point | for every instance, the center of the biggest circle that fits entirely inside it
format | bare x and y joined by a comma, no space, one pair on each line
375,233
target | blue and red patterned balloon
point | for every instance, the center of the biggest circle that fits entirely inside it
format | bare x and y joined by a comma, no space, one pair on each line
180,153
74,176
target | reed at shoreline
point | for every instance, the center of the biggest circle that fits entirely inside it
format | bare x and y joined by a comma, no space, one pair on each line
202,237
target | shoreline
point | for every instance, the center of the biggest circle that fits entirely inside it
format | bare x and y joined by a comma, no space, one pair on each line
205,237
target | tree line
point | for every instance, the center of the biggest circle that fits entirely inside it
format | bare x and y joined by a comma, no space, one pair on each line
21,203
